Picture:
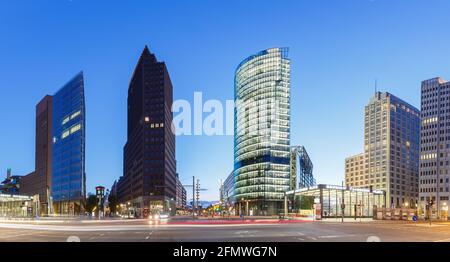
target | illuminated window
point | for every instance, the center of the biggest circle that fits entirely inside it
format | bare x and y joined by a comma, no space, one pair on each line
75,128
75,114
65,134
147,119
161,125
68,118
70,131
65,120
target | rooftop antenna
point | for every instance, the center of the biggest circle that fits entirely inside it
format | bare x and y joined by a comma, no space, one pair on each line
376,85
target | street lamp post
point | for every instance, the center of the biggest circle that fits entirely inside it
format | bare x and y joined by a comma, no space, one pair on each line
342,202
430,208
285,205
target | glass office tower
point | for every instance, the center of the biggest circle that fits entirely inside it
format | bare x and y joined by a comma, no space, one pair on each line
262,132
68,152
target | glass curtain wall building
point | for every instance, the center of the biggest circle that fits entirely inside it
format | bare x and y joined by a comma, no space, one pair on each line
262,132
68,149
301,169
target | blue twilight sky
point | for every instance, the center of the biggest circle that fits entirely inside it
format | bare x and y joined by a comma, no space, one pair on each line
338,48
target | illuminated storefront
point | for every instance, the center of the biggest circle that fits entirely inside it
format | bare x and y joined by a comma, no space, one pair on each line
16,206
328,199
262,132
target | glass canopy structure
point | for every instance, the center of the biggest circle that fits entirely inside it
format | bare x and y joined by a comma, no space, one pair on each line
358,202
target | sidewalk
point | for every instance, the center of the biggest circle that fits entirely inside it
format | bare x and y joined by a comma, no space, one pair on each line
346,220
239,218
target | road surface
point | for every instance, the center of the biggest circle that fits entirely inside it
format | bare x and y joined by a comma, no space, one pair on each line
260,231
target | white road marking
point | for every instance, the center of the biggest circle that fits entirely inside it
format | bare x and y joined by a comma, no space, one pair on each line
149,234
336,236
14,236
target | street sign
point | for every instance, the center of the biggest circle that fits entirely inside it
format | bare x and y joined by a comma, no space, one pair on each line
414,218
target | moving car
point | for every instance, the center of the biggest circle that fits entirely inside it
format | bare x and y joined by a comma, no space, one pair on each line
159,216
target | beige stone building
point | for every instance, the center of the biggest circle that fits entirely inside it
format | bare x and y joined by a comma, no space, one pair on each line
356,173
390,161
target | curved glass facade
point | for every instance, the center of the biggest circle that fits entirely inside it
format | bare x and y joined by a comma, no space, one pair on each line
262,132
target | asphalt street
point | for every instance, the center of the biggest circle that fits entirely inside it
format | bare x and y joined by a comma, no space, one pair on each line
143,231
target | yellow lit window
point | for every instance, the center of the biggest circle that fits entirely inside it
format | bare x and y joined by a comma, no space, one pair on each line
75,114
65,120
75,128
65,134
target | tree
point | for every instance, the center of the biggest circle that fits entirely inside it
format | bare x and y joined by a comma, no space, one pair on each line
113,202
304,202
91,203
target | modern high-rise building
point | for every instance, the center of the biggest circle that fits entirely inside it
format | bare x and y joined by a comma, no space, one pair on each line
149,179
68,180
435,148
59,177
391,151
39,181
301,169
262,132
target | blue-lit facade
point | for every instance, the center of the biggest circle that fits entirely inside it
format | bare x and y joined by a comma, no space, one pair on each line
301,169
68,188
262,132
